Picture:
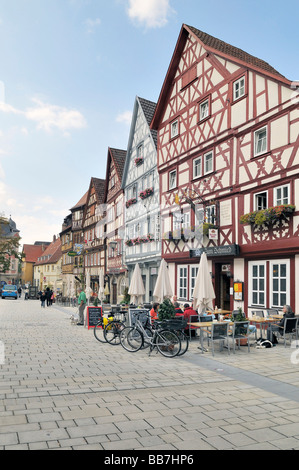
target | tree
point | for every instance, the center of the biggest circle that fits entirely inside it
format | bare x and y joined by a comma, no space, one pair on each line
166,310
9,246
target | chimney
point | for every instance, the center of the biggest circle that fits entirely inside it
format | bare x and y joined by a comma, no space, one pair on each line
54,238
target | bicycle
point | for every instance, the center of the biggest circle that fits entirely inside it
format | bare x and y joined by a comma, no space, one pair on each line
109,331
133,338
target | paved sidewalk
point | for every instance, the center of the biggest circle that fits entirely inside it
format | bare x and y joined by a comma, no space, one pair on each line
61,389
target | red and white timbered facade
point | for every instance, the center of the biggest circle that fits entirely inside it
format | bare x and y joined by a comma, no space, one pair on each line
228,141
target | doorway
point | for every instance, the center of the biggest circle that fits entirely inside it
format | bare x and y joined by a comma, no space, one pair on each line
222,285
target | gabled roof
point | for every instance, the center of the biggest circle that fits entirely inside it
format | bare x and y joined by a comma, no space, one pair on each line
119,158
213,46
99,185
52,253
148,109
81,202
32,252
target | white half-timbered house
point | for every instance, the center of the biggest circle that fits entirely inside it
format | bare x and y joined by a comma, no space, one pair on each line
227,126
141,192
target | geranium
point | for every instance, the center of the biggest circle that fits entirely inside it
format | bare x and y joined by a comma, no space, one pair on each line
131,201
267,216
146,193
138,161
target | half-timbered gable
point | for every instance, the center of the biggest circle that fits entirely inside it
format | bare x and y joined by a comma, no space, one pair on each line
227,127
114,200
141,191
94,230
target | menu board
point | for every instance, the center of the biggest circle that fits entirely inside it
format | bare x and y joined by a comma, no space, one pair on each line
93,316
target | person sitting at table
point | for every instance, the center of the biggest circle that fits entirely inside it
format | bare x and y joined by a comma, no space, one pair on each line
188,312
178,311
154,312
278,327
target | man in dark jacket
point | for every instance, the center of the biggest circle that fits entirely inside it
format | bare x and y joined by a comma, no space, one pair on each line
188,312
278,327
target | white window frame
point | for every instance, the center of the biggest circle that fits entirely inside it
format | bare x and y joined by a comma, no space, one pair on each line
174,128
239,88
197,165
281,188
206,171
174,185
279,278
184,288
210,214
140,151
251,290
258,140
255,202
204,109
193,276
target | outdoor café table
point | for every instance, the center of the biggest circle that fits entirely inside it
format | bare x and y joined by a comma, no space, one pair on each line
201,326
263,322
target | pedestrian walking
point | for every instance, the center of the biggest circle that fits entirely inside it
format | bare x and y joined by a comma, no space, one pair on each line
43,299
20,291
82,303
48,296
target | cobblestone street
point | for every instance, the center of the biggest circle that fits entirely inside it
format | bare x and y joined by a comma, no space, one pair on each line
61,389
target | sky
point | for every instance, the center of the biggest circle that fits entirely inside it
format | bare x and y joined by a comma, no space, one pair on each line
70,71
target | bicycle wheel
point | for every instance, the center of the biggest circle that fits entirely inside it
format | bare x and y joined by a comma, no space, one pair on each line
168,343
131,339
184,342
112,332
99,332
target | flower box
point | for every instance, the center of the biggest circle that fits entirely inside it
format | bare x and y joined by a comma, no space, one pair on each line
130,202
267,216
139,240
146,193
138,161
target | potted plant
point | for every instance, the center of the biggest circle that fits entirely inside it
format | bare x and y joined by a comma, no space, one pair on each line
238,318
166,310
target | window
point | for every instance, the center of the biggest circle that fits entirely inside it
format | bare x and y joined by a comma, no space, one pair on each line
279,272
193,275
208,162
172,180
182,282
174,129
210,214
140,151
260,201
258,284
239,88
197,170
204,111
260,141
282,195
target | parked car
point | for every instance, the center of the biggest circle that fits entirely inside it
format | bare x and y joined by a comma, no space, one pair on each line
9,291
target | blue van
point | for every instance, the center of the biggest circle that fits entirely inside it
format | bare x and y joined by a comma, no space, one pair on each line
9,291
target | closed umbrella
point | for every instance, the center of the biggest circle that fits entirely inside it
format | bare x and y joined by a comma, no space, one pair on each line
101,284
203,293
88,288
163,288
136,289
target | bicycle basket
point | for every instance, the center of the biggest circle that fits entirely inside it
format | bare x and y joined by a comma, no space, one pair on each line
173,324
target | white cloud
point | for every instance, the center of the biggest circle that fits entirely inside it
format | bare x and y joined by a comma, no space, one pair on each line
91,25
151,13
125,117
49,117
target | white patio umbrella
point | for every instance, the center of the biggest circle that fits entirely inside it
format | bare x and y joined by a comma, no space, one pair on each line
101,284
203,293
136,289
88,288
163,287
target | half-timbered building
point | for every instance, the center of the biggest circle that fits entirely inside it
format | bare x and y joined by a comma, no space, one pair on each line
141,191
93,225
114,199
227,126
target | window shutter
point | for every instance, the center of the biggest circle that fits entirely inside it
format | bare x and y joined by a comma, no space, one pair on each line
189,76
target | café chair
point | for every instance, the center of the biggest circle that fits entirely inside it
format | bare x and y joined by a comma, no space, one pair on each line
192,319
240,331
219,333
290,329
258,313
